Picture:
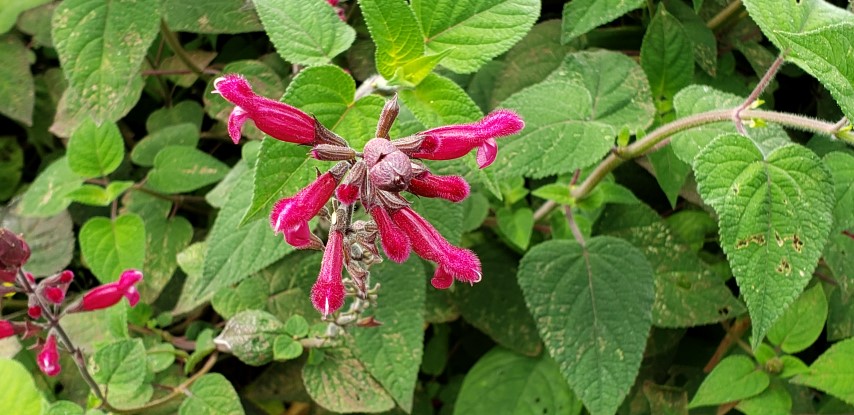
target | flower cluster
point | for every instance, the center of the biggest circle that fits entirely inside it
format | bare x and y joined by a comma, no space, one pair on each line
46,297
375,178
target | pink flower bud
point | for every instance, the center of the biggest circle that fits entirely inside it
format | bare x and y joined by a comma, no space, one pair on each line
54,294
351,187
110,294
48,358
453,188
454,141
327,294
394,241
454,262
34,310
6,329
277,119
389,169
14,253
291,215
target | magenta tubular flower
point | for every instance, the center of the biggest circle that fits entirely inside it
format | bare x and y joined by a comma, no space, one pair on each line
7,329
277,119
291,215
394,241
110,294
453,188
454,262
327,294
454,141
48,358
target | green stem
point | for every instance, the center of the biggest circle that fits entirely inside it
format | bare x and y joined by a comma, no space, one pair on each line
179,51
659,138
723,15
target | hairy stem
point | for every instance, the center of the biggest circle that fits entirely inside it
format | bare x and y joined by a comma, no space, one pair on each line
754,95
659,138
724,15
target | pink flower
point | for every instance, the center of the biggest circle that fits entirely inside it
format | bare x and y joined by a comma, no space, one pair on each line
291,215
48,358
394,241
454,262
110,294
277,119
453,188
327,294
454,141
7,329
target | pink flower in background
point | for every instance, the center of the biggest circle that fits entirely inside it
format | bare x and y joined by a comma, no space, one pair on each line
375,177
48,358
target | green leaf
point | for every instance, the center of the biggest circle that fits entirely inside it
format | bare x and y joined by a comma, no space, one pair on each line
822,53
286,348
395,31
18,385
531,60
557,192
560,134
95,151
249,335
699,98
101,45
17,92
165,238
307,32
495,305
296,326
211,394
413,72
774,214
160,357
233,252
64,408
93,330
775,17
121,370
802,323
250,294
180,169
204,347
212,16
447,218
473,31
592,304
90,194
391,353
517,225
183,112
665,400
617,84
734,378
670,172
51,240
582,16
841,166
832,372
775,400
516,384
687,292
666,56
340,383
703,39
112,246
281,171
184,134
11,9
438,101
11,166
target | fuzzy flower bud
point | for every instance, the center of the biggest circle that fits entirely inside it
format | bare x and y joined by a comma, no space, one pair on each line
48,358
7,329
454,262
291,215
14,253
394,241
454,141
110,294
388,168
453,188
327,294
277,119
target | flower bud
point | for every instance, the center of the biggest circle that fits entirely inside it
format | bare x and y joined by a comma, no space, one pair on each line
48,357
6,329
14,253
327,294
110,294
394,241
388,168
453,188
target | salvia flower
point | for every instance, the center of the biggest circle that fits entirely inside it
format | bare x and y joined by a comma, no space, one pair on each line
327,294
455,141
110,294
277,119
7,329
48,357
375,177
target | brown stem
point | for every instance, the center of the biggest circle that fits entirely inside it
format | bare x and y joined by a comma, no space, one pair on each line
733,334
